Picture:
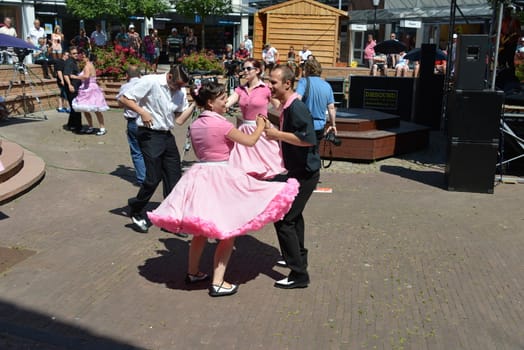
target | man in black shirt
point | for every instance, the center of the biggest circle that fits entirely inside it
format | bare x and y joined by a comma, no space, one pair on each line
302,160
74,122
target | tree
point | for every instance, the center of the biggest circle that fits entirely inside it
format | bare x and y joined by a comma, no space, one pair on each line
122,9
202,8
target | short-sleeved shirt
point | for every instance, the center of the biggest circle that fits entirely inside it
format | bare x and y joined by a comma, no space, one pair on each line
253,102
174,43
152,93
320,95
209,137
296,119
128,113
35,34
99,38
269,55
71,68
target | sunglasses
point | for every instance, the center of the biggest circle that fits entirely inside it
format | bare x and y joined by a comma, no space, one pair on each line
249,69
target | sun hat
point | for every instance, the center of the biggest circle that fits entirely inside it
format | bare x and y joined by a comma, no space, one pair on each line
174,30
131,26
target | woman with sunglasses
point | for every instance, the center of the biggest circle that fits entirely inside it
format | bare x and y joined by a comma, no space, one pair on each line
262,161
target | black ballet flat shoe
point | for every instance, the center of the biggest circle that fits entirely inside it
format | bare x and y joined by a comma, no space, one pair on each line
199,277
220,291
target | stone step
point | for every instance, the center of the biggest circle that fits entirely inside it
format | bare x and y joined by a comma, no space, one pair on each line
11,159
28,176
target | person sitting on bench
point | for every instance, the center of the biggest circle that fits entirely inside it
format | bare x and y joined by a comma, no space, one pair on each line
379,63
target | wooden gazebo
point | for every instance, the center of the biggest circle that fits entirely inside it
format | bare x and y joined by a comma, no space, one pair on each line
298,22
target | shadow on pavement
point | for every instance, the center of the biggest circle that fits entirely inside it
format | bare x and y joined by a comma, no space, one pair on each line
25,329
250,258
125,173
432,178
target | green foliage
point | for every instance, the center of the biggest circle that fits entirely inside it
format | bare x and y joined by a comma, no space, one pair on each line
95,9
201,61
203,8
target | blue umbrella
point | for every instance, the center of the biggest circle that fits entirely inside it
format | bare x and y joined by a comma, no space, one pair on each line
10,41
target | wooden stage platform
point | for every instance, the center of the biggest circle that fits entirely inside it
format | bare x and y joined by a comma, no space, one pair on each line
369,135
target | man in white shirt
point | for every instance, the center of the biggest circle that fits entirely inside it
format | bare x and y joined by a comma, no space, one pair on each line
7,28
248,44
269,56
304,54
98,37
157,99
36,33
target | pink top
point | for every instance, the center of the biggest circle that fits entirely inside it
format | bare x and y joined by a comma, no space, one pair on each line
253,102
369,50
208,135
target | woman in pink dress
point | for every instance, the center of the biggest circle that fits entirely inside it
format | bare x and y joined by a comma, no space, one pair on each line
264,160
90,97
215,200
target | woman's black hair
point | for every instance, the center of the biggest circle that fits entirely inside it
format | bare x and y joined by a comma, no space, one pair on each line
207,90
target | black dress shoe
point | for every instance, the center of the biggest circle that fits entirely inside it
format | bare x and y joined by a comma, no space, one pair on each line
288,284
281,263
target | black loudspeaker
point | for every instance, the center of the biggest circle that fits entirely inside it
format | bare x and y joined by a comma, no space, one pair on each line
427,60
429,92
471,62
474,115
471,167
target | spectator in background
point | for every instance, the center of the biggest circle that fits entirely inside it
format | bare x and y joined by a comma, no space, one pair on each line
122,38
7,27
241,53
174,44
98,37
59,70
41,57
369,51
402,66
379,63
509,37
81,41
292,61
36,32
158,49
318,96
149,46
135,42
57,38
304,55
248,44
191,42
270,56
133,75
393,57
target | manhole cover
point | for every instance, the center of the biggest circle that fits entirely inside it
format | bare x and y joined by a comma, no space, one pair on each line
12,256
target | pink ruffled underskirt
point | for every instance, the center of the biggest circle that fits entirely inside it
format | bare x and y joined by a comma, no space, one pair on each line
175,214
